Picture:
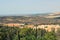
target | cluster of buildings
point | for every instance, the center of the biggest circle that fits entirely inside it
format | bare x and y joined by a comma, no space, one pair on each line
48,27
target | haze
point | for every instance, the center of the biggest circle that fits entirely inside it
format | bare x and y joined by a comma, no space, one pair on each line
22,7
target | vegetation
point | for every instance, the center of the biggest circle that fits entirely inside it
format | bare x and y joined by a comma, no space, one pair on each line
15,33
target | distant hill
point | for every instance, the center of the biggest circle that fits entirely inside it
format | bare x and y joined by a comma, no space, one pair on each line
53,15
46,18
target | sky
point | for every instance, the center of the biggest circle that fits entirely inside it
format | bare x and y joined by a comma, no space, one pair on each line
22,7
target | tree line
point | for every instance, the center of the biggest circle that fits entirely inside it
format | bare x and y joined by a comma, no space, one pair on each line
15,33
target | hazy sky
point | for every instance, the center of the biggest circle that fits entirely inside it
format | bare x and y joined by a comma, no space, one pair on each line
17,7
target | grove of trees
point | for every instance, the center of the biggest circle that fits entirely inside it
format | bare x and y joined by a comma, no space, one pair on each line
15,33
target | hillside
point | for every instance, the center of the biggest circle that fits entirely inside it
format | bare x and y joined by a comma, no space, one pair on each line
36,19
